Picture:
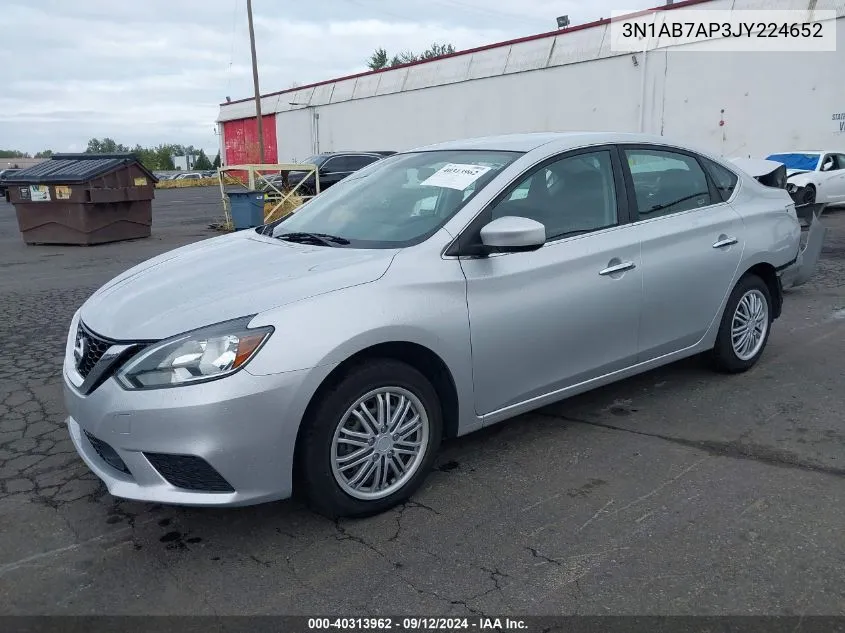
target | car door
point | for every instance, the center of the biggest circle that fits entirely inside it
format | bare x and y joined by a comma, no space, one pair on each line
544,320
692,242
833,179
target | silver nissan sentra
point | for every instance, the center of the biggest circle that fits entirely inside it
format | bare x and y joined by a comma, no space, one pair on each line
434,292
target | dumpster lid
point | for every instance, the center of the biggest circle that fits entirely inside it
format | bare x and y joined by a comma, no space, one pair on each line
241,190
75,168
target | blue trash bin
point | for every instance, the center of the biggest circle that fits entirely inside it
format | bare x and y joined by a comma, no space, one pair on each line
247,208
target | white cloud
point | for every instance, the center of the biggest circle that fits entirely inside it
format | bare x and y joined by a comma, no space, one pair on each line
156,72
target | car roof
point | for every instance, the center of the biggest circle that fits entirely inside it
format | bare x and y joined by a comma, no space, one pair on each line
803,151
532,140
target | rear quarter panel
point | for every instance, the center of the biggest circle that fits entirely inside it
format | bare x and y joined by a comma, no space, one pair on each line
773,233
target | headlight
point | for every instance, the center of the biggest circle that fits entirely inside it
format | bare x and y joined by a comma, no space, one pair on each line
198,356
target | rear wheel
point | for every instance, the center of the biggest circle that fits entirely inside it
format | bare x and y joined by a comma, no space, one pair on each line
371,441
745,326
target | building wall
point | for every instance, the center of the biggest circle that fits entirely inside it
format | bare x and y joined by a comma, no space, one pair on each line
573,81
22,163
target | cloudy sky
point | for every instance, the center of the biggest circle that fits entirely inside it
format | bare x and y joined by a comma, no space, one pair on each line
155,71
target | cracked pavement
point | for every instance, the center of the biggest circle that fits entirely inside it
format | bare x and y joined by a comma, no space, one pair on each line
679,491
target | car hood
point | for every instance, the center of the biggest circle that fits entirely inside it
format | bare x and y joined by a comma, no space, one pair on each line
795,172
223,278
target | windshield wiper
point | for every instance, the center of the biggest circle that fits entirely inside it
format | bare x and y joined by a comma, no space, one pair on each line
313,238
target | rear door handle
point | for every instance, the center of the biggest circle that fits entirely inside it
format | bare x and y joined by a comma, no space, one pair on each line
727,241
618,268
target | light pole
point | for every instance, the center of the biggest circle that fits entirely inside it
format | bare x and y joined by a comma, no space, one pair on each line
258,118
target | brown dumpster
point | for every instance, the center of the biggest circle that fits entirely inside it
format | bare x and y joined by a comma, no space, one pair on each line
83,199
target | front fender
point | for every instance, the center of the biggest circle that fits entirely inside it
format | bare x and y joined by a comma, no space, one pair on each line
802,180
421,305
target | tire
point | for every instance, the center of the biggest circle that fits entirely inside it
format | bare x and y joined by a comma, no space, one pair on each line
753,295
327,474
808,196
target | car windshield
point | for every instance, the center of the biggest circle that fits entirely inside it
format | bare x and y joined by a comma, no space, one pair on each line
808,162
395,202
313,160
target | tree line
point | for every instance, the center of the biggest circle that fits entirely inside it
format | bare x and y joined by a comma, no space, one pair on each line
381,59
158,157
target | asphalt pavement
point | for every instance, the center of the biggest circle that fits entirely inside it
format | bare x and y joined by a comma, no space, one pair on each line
677,492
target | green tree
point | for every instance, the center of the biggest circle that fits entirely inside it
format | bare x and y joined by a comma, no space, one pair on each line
202,162
164,157
378,59
405,57
146,155
47,153
12,153
437,50
106,146
216,163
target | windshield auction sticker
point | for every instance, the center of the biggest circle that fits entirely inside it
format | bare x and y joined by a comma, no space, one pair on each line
455,176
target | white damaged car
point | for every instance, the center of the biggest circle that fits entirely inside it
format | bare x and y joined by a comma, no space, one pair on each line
813,176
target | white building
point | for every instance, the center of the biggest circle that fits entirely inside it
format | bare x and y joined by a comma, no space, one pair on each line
734,104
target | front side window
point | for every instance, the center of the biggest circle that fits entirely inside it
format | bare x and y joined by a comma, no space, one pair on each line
572,195
832,162
332,165
347,163
667,182
395,202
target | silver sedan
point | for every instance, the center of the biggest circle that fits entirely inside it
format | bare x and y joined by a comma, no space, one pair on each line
433,293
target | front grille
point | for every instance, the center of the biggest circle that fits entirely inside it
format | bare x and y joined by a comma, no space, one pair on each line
189,472
88,350
107,453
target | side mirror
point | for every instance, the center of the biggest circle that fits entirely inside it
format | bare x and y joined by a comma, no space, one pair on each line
828,165
512,233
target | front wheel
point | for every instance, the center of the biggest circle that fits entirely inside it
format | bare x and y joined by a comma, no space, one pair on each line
808,196
371,441
745,326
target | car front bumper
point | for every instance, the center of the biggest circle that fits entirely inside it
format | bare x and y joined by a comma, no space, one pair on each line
227,442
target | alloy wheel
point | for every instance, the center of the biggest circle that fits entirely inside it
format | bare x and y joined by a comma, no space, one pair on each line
749,325
379,443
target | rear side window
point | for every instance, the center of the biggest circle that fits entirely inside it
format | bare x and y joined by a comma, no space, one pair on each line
724,178
667,182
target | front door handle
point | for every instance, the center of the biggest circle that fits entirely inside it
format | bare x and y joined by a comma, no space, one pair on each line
725,241
617,268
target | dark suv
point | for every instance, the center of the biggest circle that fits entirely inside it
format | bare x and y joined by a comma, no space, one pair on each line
332,167
5,173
